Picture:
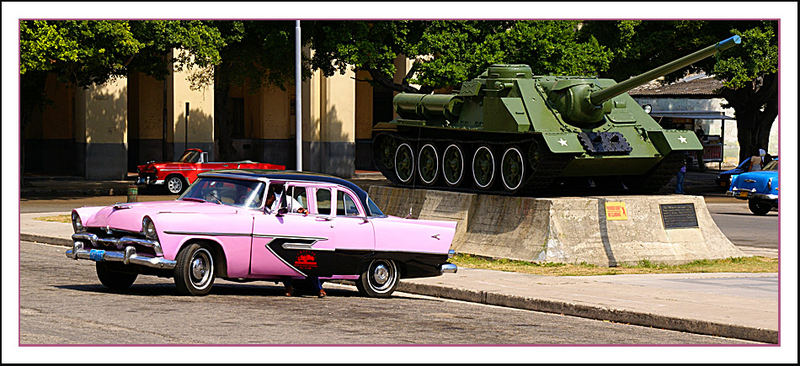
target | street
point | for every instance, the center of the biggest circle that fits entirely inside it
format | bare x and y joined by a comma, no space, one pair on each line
62,302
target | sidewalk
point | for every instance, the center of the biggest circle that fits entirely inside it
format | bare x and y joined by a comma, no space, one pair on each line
735,305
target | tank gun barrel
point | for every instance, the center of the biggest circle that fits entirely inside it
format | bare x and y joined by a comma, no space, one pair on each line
600,96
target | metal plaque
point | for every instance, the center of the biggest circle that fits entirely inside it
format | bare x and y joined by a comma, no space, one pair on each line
679,215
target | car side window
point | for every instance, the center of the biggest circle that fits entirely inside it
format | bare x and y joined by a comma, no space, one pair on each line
323,201
298,200
345,205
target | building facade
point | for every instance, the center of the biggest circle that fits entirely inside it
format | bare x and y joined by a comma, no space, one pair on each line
104,131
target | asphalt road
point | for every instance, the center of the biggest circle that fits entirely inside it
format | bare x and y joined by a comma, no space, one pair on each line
62,302
742,227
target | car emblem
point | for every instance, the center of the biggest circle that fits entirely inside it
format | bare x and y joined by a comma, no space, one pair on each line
108,230
750,180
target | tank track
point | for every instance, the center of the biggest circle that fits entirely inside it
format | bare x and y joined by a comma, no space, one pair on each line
546,165
656,180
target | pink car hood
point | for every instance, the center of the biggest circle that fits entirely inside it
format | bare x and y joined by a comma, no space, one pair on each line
128,216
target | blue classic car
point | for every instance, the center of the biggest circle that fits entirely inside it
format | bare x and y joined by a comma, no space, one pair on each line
724,179
759,188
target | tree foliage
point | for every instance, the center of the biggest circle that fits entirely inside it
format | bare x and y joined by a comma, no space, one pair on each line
448,52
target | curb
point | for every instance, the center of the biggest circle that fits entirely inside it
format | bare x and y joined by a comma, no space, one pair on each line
555,307
595,312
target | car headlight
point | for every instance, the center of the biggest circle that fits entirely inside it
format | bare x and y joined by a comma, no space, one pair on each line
148,228
77,225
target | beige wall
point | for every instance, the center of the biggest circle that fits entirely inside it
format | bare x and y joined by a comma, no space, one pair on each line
102,111
363,106
201,108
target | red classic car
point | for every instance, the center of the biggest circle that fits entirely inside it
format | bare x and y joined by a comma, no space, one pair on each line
178,175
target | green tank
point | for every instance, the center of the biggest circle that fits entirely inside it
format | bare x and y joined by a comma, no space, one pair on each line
509,131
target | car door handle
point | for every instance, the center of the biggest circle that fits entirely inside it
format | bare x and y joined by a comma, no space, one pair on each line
324,218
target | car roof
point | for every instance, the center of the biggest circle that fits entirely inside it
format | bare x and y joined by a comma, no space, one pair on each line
291,175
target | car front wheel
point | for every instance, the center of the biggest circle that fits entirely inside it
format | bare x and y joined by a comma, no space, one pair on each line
758,207
113,277
194,270
379,278
175,184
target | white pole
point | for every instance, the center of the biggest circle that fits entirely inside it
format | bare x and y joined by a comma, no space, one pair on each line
298,101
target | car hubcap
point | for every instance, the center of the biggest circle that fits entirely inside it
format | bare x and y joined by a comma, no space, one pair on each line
483,167
428,164
452,165
404,162
383,275
201,268
512,168
174,184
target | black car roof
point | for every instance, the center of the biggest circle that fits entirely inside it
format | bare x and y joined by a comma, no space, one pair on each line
296,176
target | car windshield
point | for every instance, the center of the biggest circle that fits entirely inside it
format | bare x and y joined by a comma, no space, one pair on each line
231,192
190,156
773,165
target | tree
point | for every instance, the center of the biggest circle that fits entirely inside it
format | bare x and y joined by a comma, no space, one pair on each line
256,53
447,53
748,71
85,52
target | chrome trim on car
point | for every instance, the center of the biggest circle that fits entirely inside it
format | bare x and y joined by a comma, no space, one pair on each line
204,233
765,196
129,256
119,243
275,236
304,246
451,253
449,268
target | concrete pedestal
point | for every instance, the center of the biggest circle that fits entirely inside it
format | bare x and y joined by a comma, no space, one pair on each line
565,229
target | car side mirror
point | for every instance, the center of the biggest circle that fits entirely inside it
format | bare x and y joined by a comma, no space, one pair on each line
282,211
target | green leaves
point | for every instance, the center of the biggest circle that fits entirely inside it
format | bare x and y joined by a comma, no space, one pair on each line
83,52
755,57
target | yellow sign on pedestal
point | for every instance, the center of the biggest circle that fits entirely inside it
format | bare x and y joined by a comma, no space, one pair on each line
616,211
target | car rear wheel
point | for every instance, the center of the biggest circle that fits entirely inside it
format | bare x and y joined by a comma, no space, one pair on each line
759,208
379,278
194,270
112,276
175,184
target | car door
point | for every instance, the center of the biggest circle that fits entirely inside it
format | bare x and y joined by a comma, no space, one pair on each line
285,244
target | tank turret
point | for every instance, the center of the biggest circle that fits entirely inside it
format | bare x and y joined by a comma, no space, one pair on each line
510,131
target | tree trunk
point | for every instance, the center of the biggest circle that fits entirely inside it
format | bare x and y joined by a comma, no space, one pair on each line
755,110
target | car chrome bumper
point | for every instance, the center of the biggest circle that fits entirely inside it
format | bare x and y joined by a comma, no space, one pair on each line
743,195
449,268
148,181
126,254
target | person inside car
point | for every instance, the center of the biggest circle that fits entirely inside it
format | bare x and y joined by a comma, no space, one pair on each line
276,200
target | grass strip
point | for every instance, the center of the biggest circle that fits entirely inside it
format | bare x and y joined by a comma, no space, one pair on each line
737,264
58,218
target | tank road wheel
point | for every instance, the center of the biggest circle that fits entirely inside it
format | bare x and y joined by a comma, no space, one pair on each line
194,270
384,148
379,279
483,167
175,184
404,163
428,165
112,276
512,169
453,165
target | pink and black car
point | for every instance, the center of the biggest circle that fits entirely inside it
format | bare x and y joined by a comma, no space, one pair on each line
248,225
177,175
